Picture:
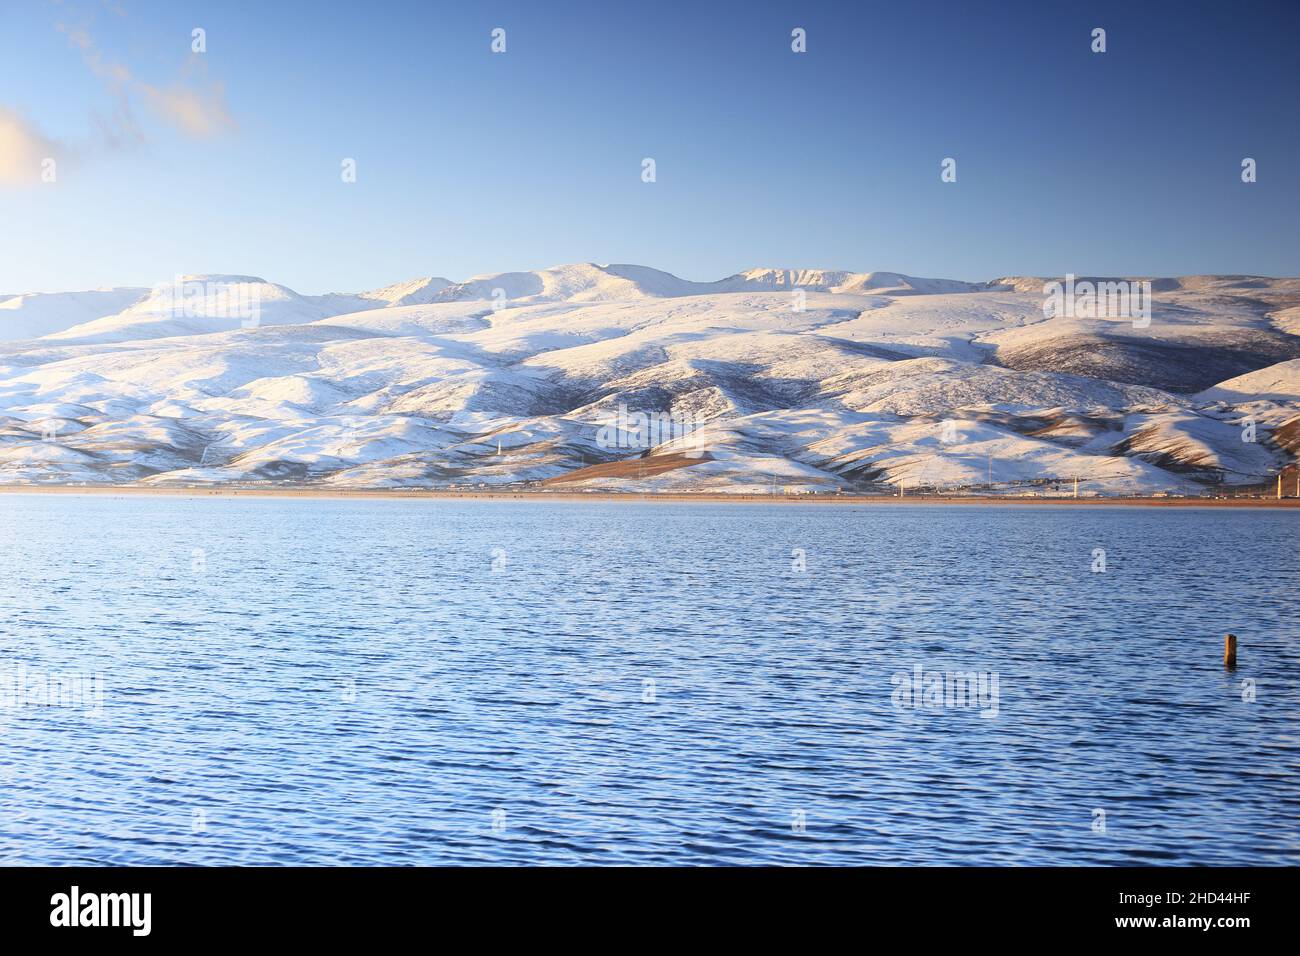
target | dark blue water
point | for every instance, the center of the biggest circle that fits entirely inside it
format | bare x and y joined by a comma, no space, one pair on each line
351,682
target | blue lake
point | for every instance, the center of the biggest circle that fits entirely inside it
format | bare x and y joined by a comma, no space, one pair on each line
302,681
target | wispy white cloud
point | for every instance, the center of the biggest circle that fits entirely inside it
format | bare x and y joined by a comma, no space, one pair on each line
193,104
200,111
23,149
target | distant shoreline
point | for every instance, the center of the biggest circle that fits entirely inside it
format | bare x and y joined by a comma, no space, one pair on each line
637,498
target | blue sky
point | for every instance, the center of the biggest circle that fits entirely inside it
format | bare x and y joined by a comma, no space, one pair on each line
1126,162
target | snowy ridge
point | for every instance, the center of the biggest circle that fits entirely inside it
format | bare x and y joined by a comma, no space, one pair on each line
35,315
864,381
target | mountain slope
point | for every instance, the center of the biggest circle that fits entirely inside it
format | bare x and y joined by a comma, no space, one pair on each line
34,315
581,374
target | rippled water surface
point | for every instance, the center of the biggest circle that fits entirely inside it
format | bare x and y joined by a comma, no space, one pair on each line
387,682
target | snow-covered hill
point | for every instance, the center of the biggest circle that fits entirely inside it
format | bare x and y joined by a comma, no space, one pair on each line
623,376
199,304
31,316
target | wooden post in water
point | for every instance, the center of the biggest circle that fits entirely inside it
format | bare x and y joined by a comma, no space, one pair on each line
1229,650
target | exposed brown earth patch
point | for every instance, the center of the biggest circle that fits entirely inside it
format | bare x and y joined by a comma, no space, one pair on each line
629,468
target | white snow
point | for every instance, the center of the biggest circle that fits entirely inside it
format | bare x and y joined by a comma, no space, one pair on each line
35,315
871,380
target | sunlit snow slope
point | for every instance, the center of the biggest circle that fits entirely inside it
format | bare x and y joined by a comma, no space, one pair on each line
785,379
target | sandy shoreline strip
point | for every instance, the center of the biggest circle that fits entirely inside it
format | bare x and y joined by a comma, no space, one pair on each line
629,498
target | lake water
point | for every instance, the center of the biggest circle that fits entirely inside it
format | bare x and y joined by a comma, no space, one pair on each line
298,681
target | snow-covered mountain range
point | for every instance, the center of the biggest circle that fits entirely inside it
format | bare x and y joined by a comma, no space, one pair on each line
795,379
